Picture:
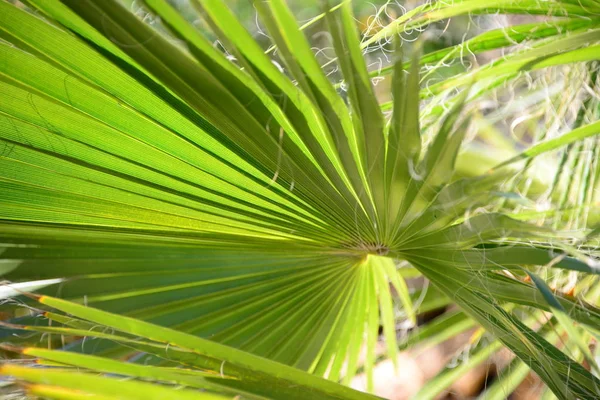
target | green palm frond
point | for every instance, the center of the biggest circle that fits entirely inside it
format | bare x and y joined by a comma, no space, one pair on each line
152,180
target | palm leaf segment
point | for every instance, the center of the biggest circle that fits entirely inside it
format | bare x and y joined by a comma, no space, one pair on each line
243,201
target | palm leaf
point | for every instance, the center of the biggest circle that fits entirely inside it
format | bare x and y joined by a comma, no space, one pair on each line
257,204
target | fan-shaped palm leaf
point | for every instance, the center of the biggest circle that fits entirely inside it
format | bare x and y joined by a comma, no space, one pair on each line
258,205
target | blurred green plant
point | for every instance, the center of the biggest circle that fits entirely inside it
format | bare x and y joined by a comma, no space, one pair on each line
260,203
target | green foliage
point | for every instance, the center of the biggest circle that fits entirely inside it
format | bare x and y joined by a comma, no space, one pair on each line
233,221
